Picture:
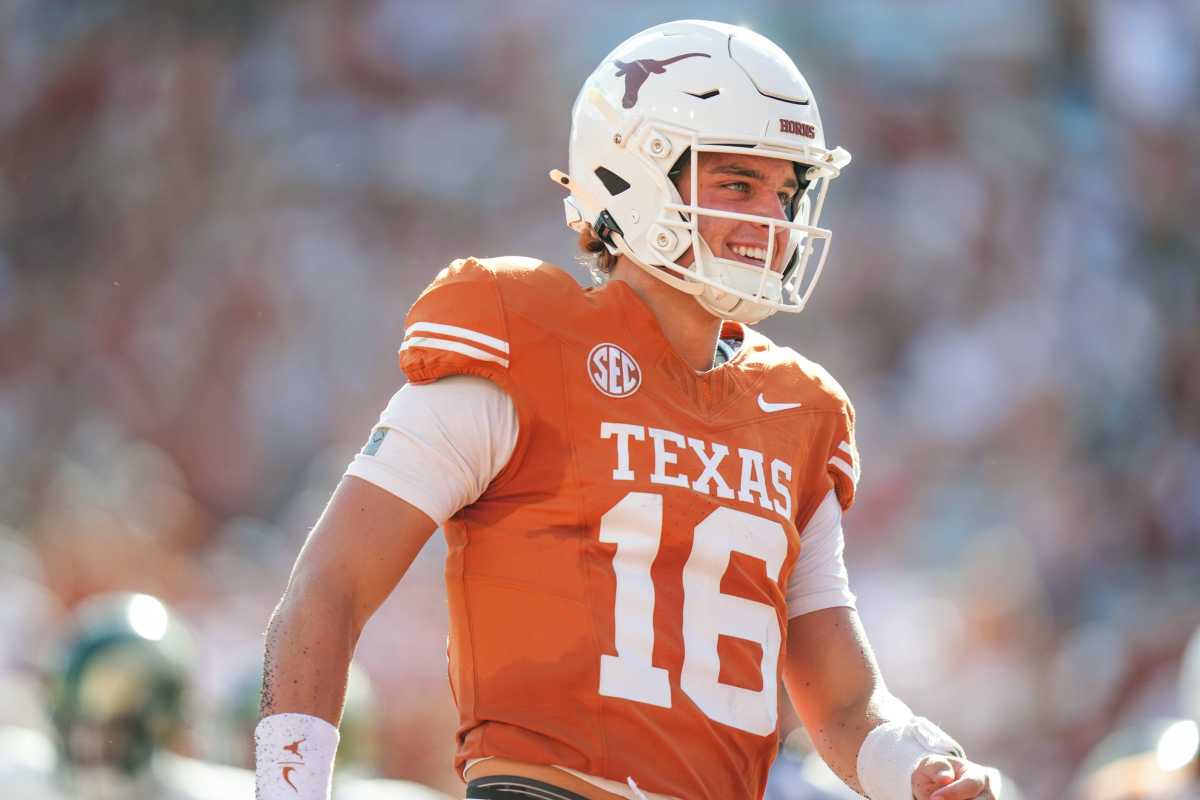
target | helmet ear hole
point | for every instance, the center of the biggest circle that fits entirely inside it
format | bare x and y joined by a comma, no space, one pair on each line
613,182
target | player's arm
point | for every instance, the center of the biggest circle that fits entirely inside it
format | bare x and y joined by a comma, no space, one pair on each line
829,669
835,686
436,449
866,735
358,551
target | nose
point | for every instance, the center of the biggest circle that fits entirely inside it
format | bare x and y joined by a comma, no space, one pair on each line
772,208
769,205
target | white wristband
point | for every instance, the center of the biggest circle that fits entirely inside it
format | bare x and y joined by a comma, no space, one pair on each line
293,757
891,751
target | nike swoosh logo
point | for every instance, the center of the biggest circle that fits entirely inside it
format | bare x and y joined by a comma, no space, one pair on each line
287,777
773,407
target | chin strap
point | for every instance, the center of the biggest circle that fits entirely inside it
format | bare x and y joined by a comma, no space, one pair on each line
661,273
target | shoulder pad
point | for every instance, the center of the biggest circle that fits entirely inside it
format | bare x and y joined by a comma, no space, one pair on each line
821,391
457,326
463,323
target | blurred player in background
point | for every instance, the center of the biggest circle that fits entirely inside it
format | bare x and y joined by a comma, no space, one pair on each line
641,494
1156,759
1151,759
117,685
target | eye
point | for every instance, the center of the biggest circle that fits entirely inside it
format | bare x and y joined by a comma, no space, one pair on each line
737,186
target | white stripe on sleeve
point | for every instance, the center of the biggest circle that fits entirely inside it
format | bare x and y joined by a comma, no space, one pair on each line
841,464
454,347
459,332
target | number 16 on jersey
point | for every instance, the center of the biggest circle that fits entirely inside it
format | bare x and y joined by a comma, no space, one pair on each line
635,525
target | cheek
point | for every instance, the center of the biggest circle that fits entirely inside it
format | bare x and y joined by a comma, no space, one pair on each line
715,230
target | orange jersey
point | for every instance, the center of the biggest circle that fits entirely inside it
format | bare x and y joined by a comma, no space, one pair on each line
617,594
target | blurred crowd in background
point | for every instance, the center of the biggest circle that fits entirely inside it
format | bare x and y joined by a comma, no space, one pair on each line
214,216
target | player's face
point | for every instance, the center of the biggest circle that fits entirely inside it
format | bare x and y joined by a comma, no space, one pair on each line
748,185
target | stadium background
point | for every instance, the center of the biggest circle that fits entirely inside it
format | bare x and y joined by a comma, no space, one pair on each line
213,217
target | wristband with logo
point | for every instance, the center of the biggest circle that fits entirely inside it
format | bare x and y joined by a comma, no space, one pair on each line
293,757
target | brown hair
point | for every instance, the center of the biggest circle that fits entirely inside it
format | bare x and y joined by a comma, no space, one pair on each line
599,260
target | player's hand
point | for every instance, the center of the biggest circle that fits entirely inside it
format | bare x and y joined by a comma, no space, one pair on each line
950,778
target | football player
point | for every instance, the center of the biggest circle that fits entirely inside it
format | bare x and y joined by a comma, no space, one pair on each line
642,495
116,686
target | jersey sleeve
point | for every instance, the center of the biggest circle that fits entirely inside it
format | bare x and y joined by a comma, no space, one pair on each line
457,327
843,464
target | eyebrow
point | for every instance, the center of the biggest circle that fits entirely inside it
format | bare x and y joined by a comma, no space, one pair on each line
748,172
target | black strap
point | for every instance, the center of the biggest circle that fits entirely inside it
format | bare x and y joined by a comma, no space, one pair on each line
515,787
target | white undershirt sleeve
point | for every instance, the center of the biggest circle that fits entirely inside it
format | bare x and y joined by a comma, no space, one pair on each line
819,579
438,445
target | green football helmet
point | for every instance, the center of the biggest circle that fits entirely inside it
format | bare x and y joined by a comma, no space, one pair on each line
117,682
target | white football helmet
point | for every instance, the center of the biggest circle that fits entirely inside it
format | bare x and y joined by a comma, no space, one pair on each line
680,89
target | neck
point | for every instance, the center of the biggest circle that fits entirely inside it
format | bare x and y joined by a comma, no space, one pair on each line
691,331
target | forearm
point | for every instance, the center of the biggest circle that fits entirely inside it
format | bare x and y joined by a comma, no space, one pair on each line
358,551
835,686
353,558
310,640
838,734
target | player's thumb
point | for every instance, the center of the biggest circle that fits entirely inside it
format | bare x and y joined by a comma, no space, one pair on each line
936,769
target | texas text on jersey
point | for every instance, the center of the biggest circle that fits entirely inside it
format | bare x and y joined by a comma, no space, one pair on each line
617,594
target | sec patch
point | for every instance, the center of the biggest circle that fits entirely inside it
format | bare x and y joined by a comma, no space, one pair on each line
613,371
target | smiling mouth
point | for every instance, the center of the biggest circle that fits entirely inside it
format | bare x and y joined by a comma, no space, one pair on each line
755,256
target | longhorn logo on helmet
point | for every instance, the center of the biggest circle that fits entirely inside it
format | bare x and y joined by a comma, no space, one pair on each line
636,72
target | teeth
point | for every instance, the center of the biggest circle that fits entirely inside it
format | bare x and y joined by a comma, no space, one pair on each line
750,252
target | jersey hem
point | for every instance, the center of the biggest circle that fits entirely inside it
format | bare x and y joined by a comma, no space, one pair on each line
607,784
